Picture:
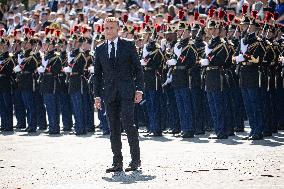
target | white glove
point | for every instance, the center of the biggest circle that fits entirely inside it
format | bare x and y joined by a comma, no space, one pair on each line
41,69
163,44
17,69
169,80
244,48
177,50
172,62
20,60
204,62
145,52
282,60
44,62
240,58
91,69
69,58
67,69
143,62
1,62
207,50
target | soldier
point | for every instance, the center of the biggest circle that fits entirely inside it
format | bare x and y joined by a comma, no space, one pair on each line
50,68
6,68
78,88
19,107
64,97
199,109
151,61
216,57
172,111
250,58
27,65
183,58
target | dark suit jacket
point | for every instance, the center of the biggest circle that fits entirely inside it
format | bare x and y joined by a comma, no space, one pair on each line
124,79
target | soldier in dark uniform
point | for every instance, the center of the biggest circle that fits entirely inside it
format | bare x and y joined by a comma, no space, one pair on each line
183,58
89,56
199,109
78,88
151,61
238,110
64,97
172,111
6,69
250,58
50,68
28,64
216,57
267,83
20,112
279,81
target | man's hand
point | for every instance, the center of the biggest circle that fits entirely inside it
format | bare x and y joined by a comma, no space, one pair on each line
138,97
98,103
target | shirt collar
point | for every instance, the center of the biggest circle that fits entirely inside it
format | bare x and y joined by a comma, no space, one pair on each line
115,41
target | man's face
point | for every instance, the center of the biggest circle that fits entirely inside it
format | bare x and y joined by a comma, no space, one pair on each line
111,30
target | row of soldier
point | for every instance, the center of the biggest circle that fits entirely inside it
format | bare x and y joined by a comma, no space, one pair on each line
214,73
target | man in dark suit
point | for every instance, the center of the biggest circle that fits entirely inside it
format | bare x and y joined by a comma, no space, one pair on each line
119,81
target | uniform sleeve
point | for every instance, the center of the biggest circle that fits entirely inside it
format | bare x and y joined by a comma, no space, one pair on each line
219,57
137,68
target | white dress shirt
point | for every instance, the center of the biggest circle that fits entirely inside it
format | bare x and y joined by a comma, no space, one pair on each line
115,46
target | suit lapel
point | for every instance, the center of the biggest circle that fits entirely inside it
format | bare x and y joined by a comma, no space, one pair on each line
118,50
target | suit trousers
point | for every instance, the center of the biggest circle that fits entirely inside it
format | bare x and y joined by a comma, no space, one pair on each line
119,111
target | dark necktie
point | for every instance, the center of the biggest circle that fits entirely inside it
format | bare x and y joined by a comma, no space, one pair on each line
112,52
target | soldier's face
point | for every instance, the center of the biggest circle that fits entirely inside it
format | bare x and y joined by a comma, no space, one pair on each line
111,30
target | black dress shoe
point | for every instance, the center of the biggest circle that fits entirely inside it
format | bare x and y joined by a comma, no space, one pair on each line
200,133
158,134
256,137
187,135
267,134
218,137
231,134
7,130
115,168
245,138
133,166
239,130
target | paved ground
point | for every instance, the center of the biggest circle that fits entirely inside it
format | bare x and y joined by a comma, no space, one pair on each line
67,161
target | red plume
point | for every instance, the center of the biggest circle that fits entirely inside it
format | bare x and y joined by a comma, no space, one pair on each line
83,30
180,14
275,16
147,18
26,30
102,28
98,29
237,21
32,32
268,16
221,14
169,19
143,25
15,33
244,9
211,12
71,32
51,30
196,16
57,33
125,18
254,14
46,30
76,28
231,17
202,22
138,28
158,28
1,32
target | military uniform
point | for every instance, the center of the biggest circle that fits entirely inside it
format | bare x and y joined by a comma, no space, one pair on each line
151,62
6,106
